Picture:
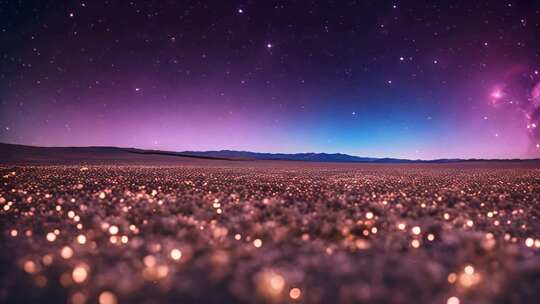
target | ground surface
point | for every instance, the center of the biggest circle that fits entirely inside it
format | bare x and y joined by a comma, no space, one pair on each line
290,234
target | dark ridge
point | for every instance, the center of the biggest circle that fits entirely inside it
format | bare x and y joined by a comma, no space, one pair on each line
13,153
157,152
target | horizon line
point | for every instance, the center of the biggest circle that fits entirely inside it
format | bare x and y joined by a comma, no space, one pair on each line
283,153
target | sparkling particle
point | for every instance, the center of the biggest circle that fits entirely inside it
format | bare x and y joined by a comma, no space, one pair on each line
79,273
270,284
469,277
149,261
47,259
30,267
452,277
452,300
113,230
176,254
107,297
51,237
124,239
66,252
81,239
295,293
78,298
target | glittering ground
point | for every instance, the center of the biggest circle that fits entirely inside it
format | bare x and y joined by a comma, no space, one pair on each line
299,234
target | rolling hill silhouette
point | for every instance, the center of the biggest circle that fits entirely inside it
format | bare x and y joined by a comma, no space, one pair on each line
22,154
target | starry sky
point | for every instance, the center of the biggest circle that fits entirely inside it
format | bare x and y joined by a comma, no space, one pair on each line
410,79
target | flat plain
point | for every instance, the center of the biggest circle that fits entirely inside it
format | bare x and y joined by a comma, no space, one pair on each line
270,232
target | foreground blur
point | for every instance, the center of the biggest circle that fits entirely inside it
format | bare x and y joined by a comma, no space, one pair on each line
372,234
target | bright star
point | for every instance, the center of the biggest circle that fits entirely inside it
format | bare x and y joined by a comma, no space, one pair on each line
497,94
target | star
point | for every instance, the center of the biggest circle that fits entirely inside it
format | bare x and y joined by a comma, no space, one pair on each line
497,94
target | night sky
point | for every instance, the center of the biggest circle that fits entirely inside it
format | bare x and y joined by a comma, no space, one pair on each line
412,79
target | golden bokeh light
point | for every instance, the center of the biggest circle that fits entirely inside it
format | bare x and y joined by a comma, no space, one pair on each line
80,273
66,252
107,297
452,300
295,293
176,254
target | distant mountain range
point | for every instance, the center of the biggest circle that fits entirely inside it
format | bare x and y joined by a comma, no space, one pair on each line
325,157
311,157
21,154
